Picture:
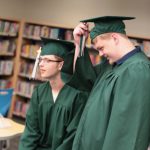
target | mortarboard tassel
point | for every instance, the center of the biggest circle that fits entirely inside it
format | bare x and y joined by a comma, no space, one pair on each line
36,64
82,44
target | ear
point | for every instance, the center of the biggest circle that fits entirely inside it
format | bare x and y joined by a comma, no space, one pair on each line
115,37
60,65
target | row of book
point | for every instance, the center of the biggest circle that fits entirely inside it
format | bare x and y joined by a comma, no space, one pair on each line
30,50
144,44
25,89
7,47
95,59
6,67
20,108
9,28
36,31
4,84
146,47
26,68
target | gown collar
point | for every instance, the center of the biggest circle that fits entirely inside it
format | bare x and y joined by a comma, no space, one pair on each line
128,55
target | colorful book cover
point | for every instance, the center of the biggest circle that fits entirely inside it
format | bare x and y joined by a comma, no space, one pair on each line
146,47
45,31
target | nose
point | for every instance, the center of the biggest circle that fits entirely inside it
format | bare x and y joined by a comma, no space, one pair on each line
41,64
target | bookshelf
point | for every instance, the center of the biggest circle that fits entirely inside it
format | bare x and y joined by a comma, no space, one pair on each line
9,39
143,42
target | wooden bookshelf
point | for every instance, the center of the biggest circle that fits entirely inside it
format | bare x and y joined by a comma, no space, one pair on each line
9,39
143,42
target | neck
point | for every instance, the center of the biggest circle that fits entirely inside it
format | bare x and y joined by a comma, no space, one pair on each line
56,84
127,48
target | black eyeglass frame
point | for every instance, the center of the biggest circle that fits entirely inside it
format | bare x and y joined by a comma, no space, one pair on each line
47,60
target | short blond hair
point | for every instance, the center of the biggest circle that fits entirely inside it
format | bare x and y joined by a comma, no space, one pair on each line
107,36
58,58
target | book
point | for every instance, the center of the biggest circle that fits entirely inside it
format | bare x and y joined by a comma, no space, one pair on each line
61,33
5,45
14,28
69,35
6,67
6,27
12,47
2,24
17,107
45,31
4,84
28,30
25,107
136,42
36,31
146,47
54,33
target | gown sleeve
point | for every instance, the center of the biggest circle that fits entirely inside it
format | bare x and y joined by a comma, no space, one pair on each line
84,75
31,133
130,115
76,112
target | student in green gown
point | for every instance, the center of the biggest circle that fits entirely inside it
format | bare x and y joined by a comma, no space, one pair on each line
117,113
55,108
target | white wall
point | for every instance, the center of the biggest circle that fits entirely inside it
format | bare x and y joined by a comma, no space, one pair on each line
12,8
69,12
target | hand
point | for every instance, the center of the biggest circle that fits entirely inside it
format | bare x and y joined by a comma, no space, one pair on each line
80,29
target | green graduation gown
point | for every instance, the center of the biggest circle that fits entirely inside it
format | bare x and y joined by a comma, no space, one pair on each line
117,113
49,125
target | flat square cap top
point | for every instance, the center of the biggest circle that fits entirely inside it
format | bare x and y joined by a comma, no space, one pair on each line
56,47
107,18
107,24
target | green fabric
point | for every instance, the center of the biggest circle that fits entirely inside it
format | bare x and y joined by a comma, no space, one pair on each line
81,42
56,47
85,74
107,24
117,113
49,125
83,80
67,69
104,27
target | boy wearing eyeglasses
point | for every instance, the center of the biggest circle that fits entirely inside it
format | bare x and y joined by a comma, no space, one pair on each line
55,108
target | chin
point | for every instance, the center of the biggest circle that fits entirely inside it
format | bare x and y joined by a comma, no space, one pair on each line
110,62
44,76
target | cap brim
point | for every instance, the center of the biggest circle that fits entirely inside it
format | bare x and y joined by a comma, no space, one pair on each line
107,18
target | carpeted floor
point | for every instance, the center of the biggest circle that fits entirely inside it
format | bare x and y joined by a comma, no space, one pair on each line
14,143
11,144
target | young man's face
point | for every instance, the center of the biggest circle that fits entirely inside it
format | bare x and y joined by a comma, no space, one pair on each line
107,48
50,66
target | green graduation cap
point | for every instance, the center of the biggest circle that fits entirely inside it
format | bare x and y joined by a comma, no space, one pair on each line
107,24
56,47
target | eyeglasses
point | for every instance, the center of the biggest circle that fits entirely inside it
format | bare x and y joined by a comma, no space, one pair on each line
47,60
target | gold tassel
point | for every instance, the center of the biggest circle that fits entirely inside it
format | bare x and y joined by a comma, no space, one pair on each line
36,64
83,46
